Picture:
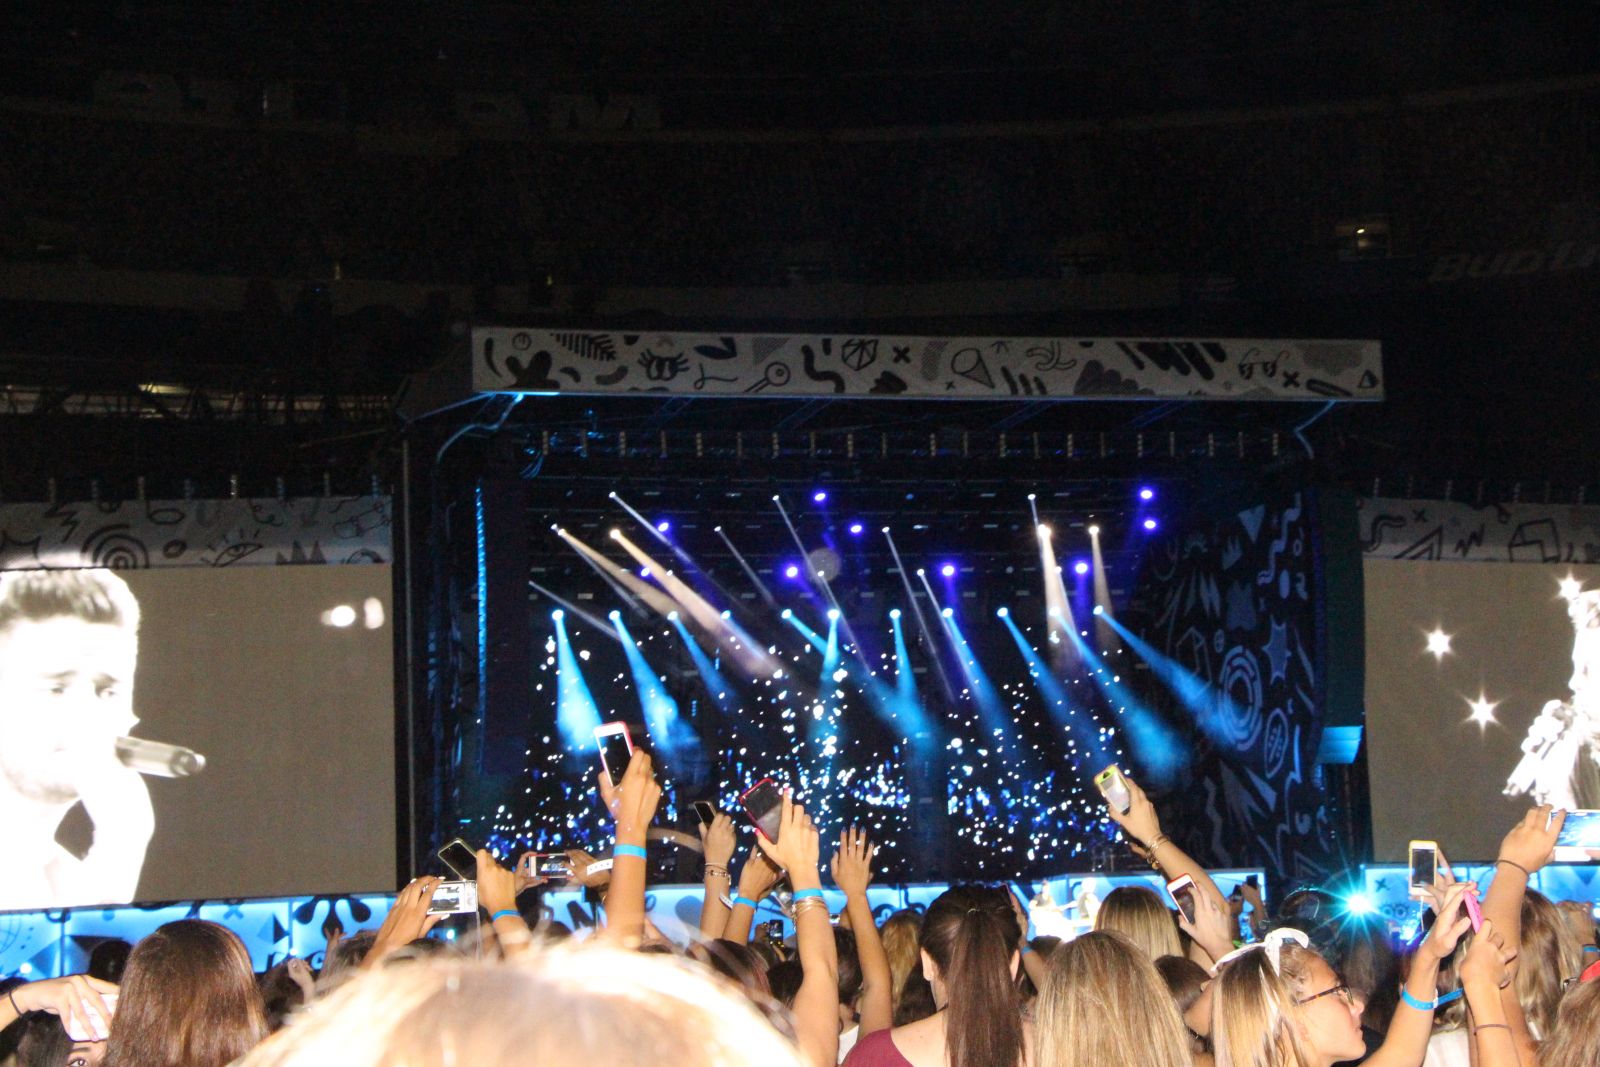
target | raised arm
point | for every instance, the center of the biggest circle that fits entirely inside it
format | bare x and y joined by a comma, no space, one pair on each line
717,841
406,921
756,880
1525,850
497,895
852,872
816,1005
633,803
1143,825
77,1000
1406,1043
1485,971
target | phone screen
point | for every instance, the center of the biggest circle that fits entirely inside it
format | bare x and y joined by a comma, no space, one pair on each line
764,805
552,865
1184,897
459,857
1114,789
703,812
1581,830
1424,865
616,749
775,930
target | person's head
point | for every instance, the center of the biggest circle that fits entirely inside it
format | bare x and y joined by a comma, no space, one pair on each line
1572,1041
1579,916
1104,1005
849,975
1548,954
900,932
784,981
68,645
188,996
1186,982
1362,953
560,1006
108,960
1137,913
969,943
735,961
1295,1012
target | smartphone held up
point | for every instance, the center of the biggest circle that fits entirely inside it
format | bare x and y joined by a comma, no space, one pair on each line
1114,788
763,805
616,749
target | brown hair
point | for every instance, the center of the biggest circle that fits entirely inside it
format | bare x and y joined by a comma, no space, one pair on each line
972,934
1136,913
1104,1005
188,998
1253,1010
1185,980
1576,1035
1548,953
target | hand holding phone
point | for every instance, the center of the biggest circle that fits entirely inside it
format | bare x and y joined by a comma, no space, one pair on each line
551,866
1114,788
704,812
633,801
454,898
1181,890
460,859
616,749
1424,866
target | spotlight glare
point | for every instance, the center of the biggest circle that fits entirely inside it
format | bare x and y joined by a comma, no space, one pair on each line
644,572
1033,496
786,614
791,571
614,615
1149,524
1044,530
1359,904
1003,612
920,572
819,496
833,614
1147,494
948,570
1080,567
727,614
885,530
558,615
616,535
672,616
855,527
948,613
716,529
894,613
1099,609
1094,530
663,526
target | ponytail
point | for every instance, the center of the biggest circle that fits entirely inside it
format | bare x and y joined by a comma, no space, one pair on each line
972,933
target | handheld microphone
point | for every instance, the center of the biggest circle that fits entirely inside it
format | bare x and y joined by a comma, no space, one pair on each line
155,758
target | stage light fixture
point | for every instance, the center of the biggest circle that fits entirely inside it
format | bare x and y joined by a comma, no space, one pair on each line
1003,612
884,530
1094,530
948,613
672,616
644,572
1033,496
1080,567
855,527
1099,609
820,496
774,498
1147,494
894,613
663,526
614,615
921,572
616,535
612,494
558,615
1044,529
948,570
833,614
716,529
1150,524
786,614
791,571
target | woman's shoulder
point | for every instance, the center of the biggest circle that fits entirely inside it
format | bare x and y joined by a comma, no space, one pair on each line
877,1049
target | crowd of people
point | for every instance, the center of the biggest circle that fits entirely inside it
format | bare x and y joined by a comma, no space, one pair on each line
1513,981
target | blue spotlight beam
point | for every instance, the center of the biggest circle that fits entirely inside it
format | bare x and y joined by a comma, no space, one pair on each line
987,698
1089,753
922,622
576,712
667,728
722,694
816,578
1209,705
1157,748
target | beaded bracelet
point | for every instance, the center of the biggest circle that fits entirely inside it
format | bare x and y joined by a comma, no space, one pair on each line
715,871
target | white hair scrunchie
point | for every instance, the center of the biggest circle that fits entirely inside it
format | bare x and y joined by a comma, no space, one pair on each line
1272,945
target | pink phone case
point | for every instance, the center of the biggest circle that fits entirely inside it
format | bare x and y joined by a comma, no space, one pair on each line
1474,911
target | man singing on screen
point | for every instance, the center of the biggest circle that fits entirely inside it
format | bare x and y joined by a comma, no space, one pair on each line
69,640
1561,754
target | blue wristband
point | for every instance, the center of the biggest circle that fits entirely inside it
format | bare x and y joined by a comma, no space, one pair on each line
503,912
746,901
1448,998
627,850
801,894
1420,1005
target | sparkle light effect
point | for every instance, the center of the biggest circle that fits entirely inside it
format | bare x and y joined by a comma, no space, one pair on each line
1439,644
1483,711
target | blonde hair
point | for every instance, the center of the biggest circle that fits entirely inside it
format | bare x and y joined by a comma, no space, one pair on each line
1576,1035
1103,1004
551,1007
902,942
1253,1010
1548,953
1137,913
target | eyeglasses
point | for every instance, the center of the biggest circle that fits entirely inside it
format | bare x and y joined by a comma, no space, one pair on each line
1341,991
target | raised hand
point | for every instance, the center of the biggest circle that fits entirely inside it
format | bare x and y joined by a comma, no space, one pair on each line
407,920
718,840
1532,842
1451,922
633,802
526,878
852,862
798,845
497,887
1215,924
1488,963
1140,821
758,876
299,972
581,862
77,999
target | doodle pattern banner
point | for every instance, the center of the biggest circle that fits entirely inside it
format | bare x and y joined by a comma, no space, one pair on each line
954,368
1492,533
1235,602
132,535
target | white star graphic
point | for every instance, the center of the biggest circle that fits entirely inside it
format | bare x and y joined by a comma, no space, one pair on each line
1438,643
1571,588
1482,711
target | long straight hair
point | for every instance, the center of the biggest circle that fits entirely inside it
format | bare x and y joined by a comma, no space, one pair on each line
188,999
1573,1040
972,934
1548,954
1253,1021
1104,1005
1136,913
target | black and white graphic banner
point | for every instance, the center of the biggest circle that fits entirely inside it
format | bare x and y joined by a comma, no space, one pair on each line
133,535
1491,533
955,368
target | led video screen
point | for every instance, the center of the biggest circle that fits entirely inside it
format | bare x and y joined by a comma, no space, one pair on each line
196,733
1483,698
